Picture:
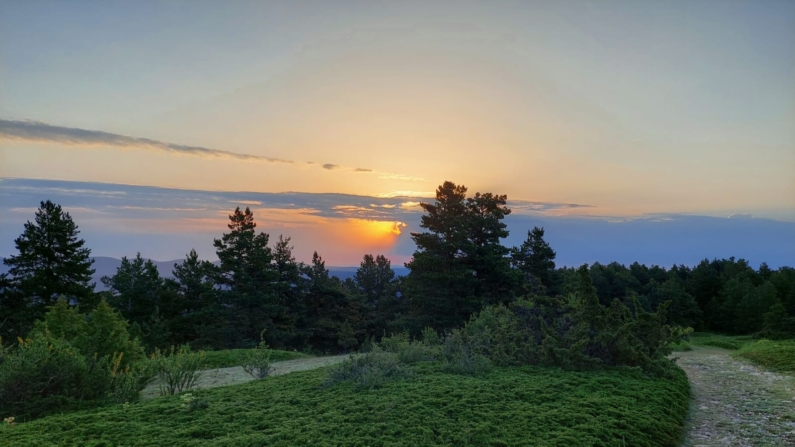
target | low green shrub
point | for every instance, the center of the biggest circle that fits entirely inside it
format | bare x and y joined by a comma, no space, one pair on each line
128,382
258,362
44,374
411,351
191,403
463,354
368,371
511,406
178,369
776,355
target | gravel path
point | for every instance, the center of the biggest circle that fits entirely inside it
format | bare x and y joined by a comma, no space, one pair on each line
213,378
736,403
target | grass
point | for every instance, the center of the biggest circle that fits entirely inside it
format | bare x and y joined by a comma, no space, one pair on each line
774,355
507,406
682,346
731,342
234,357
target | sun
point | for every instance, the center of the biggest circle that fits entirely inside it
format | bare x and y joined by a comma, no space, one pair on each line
370,233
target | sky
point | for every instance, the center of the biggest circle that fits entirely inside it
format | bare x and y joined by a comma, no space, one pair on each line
629,130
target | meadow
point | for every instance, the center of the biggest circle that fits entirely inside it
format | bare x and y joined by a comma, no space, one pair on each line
507,406
773,355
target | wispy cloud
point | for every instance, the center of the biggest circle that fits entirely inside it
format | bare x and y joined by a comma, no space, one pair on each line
36,131
40,132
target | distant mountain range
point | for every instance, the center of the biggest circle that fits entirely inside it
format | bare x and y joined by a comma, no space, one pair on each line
106,266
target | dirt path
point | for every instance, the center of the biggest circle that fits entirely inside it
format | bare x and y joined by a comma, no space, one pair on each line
213,378
736,403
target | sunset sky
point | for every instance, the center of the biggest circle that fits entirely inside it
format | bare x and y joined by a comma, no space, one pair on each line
609,123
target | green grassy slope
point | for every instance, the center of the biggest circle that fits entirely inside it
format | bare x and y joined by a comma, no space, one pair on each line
509,406
774,355
720,341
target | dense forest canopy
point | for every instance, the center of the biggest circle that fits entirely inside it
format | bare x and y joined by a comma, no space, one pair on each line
459,267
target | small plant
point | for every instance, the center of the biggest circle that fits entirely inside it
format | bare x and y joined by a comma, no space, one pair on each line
257,362
190,403
127,382
369,371
179,370
9,421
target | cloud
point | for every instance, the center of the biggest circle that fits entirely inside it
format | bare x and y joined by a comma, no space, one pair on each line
741,216
407,194
165,223
390,176
36,131
39,132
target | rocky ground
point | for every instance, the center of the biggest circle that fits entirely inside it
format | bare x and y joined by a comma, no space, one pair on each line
736,403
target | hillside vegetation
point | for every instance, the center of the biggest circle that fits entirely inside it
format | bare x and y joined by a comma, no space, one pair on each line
507,406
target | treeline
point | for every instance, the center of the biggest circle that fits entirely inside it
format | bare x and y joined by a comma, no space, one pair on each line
459,268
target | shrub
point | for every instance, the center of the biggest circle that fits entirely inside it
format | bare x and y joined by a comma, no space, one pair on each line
128,382
103,332
581,333
258,361
178,369
191,403
45,374
463,355
410,351
368,371
778,325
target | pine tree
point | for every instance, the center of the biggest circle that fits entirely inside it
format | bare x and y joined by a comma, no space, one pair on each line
535,258
459,265
373,278
52,262
247,276
135,288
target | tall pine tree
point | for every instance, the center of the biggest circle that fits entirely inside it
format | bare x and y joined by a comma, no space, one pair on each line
52,262
460,265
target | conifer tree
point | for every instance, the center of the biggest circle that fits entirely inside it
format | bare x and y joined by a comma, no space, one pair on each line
52,261
247,276
460,265
535,258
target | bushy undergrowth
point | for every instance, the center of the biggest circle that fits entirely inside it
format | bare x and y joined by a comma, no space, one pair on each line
69,361
514,406
778,355
178,369
369,370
